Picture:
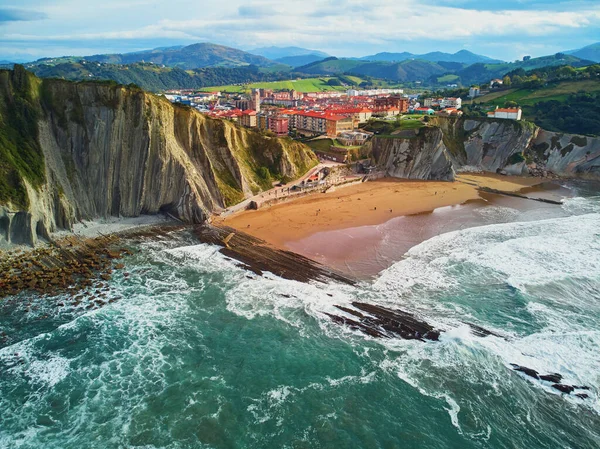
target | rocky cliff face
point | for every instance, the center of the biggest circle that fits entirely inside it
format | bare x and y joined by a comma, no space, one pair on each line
518,148
414,154
566,154
81,151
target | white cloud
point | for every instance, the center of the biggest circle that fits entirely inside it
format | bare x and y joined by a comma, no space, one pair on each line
331,25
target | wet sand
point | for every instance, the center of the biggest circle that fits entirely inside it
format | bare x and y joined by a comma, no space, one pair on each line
349,235
364,204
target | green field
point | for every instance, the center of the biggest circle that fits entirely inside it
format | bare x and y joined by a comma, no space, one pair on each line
300,85
528,97
448,78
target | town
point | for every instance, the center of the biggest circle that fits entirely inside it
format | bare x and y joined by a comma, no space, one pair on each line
327,114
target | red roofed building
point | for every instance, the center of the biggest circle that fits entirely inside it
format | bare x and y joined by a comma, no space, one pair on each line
393,101
313,122
248,118
279,125
506,113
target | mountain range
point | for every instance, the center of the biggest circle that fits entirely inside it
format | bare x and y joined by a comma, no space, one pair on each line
189,57
591,52
462,56
195,65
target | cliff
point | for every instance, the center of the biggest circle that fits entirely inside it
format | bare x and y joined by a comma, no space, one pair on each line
493,145
414,154
518,148
72,151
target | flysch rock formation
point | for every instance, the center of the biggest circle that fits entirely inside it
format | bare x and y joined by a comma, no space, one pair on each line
72,151
415,154
492,145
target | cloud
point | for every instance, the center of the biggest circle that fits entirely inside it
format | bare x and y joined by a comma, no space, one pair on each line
341,27
20,15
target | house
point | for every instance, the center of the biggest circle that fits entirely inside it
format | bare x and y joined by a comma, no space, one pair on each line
474,92
424,111
450,112
451,103
506,113
248,118
353,138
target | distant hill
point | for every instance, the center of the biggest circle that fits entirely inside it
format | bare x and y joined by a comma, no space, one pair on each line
405,71
479,73
591,52
189,57
298,61
152,77
462,57
285,52
329,66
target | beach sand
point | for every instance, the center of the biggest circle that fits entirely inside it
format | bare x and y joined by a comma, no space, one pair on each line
365,204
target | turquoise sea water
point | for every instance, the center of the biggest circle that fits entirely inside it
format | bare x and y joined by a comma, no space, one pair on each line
200,353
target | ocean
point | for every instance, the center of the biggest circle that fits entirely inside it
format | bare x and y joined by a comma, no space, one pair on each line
200,353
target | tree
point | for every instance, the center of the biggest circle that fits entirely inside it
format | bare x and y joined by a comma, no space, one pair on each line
506,81
510,104
526,58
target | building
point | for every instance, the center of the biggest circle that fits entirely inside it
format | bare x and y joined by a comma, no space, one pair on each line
393,101
256,100
474,92
450,112
373,92
279,125
424,111
353,138
243,104
313,122
248,118
432,102
455,103
506,113
496,83
337,124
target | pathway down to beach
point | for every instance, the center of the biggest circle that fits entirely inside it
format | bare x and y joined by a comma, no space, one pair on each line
369,203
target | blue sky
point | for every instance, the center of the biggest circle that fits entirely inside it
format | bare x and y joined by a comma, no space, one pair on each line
506,29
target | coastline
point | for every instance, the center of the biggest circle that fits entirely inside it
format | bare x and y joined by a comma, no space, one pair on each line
367,204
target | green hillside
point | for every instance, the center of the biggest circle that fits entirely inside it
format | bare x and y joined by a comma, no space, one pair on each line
405,71
478,73
329,66
528,97
189,57
571,106
152,77
300,85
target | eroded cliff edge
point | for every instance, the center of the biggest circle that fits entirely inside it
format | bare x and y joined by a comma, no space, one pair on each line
73,151
449,145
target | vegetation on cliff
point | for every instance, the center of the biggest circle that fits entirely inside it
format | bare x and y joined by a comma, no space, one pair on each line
21,157
116,150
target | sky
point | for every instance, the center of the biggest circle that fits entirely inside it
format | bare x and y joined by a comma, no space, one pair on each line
507,30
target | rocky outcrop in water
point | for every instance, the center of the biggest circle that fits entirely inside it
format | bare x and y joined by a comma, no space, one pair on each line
414,154
73,151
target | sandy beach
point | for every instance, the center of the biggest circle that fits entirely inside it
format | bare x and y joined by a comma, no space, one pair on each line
364,204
